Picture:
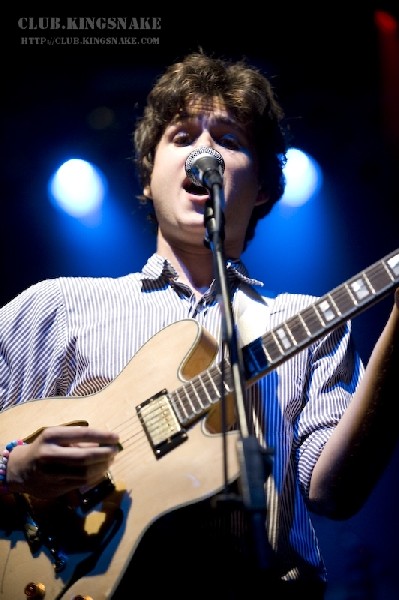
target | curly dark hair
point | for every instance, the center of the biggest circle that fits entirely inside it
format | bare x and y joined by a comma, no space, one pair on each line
246,93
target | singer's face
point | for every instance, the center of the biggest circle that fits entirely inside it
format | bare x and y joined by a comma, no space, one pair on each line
179,205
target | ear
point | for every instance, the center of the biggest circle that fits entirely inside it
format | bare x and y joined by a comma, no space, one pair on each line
262,197
147,191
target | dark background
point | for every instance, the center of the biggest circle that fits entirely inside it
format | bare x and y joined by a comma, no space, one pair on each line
337,84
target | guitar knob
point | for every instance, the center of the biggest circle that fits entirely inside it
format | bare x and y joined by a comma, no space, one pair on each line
82,598
35,591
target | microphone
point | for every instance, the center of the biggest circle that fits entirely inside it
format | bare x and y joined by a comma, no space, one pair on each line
205,166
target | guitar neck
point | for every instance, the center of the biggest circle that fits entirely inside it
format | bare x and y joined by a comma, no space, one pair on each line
193,399
327,313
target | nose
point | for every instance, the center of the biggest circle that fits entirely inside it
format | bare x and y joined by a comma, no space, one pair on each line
205,139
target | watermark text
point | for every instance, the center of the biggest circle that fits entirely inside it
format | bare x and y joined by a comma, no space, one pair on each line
89,23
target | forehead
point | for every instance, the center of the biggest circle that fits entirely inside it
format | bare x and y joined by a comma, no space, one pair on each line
205,105
214,107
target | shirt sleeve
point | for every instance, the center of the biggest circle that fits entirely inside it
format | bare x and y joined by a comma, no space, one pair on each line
335,370
31,344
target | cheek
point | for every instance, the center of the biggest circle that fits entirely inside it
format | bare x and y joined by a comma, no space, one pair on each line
157,182
166,169
242,194
243,181
243,170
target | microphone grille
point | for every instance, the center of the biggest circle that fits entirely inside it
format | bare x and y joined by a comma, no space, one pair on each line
203,151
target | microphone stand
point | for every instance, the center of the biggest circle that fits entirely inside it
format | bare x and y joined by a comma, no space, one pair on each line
254,461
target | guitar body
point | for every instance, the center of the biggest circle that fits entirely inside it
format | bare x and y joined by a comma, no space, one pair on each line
99,543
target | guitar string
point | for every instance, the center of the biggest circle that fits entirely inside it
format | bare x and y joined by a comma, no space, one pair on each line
205,387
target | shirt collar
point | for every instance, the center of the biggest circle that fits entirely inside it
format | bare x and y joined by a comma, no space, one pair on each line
158,267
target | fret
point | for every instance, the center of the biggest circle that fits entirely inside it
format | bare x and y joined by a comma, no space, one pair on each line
207,400
343,299
271,348
316,320
224,379
326,310
297,328
214,387
178,405
194,399
302,322
276,337
379,278
360,288
211,384
187,406
285,337
393,264
313,325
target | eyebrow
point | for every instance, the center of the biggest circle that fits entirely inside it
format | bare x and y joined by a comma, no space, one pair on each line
213,119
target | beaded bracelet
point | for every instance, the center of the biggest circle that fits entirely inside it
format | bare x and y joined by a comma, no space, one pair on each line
4,462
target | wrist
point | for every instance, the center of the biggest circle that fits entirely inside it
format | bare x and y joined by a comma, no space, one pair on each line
4,458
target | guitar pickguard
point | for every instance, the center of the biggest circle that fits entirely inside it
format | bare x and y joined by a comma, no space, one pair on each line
65,538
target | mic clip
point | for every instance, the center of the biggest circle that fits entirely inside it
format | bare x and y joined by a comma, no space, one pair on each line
211,225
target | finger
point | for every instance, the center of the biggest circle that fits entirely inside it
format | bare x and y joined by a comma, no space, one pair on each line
66,435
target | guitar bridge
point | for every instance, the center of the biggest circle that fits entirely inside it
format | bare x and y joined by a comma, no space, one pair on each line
160,424
93,496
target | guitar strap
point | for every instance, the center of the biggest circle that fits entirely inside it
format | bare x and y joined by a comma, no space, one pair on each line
252,314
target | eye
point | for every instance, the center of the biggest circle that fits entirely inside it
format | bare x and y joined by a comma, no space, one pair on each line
229,140
182,138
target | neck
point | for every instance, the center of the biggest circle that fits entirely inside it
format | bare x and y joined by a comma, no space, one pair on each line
193,265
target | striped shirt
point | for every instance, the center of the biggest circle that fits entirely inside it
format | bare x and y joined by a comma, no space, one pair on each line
71,336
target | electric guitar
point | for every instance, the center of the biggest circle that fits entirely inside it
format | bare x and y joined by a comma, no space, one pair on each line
167,414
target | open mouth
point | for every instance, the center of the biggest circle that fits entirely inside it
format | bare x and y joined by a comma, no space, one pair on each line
195,190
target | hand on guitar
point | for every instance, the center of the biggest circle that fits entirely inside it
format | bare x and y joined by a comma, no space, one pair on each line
60,460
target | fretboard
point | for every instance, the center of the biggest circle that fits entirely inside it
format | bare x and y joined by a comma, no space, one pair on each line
327,313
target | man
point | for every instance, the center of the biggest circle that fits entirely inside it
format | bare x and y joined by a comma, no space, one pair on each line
319,413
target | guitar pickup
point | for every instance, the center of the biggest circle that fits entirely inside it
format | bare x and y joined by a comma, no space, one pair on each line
160,424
